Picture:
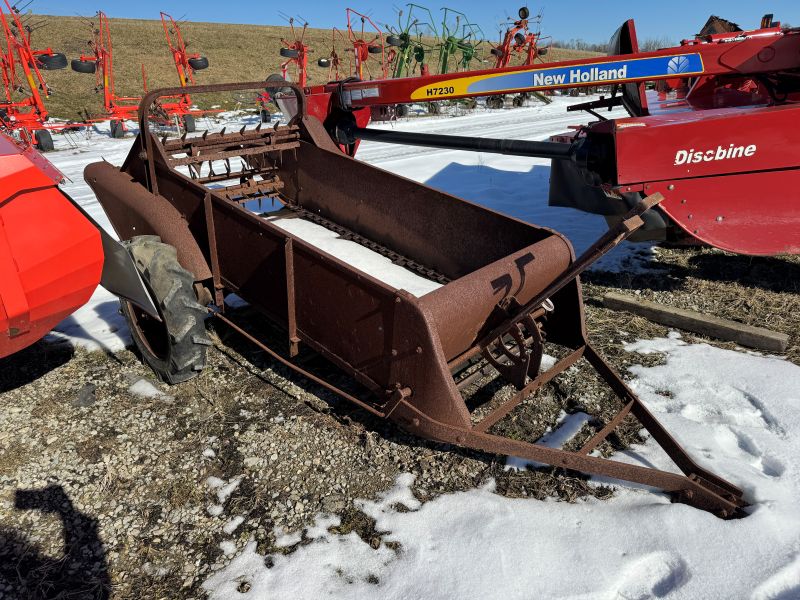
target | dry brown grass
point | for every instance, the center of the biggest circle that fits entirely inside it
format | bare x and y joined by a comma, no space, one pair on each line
235,53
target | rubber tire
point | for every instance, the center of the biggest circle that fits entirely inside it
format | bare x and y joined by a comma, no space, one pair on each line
324,63
199,63
519,39
434,108
517,101
496,52
52,62
83,66
524,13
401,110
290,53
394,40
117,130
277,90
375,49
266,117
189,125
542,51
183,318
44,141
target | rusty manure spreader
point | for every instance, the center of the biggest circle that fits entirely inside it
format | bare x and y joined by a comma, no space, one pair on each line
459,292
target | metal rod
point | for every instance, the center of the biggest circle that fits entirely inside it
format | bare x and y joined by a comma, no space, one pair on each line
287,363
558,150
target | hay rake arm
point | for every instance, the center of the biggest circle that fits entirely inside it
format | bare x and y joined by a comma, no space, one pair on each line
495,288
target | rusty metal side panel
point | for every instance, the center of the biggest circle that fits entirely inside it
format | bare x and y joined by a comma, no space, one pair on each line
134,211
445,233
463,309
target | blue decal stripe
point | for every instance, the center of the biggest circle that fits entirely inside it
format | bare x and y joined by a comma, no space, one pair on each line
615,71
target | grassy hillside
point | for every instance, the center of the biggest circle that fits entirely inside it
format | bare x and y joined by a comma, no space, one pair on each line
235,53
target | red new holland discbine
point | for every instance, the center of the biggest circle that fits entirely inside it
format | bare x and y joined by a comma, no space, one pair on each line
726,157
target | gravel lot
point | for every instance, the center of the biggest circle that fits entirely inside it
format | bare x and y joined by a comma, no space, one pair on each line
112,483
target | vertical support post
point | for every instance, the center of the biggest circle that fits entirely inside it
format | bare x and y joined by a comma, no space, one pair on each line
219,298
294,341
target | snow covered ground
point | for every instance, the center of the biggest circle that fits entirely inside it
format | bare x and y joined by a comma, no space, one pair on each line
737,413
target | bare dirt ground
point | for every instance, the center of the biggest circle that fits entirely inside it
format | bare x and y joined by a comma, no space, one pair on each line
111,485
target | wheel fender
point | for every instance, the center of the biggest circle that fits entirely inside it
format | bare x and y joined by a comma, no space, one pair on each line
134,211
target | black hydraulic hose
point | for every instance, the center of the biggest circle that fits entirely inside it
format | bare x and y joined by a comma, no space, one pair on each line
557,150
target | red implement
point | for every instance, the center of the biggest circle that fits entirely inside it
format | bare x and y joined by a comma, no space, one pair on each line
51,256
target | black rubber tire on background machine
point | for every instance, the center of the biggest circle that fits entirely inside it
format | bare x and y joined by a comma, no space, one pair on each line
394,40
374,49
199,63
176,347
44,141
266,117
52,62
324,63
289,53
117,130
83,66
188,124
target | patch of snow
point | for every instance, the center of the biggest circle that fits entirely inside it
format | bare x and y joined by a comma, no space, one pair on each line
285,539
214,482
214,510
228,547
370,262
209,453
224,492
233,525
145,389
567,427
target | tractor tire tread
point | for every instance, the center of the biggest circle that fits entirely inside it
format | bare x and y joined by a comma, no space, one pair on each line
173,289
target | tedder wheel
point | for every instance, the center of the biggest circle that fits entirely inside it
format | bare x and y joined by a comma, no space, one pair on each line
199,63
83,66
324,63
496,51
374,49
434,108
266,117
401,110
524,13
542,51
519,39
188,124
394,40
175,347
44,141
290,53
52,62
518,101
117,130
